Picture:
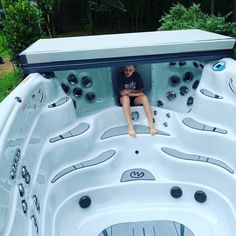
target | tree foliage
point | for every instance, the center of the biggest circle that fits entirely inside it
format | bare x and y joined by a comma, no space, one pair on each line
52,11
98,7
106,5
49,9
22,25
46,5
181,17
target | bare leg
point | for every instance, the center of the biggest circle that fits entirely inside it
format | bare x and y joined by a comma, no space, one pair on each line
125,101
147,108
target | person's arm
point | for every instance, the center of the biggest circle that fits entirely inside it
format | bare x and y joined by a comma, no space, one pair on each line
136,93
131,93
139,91
124,92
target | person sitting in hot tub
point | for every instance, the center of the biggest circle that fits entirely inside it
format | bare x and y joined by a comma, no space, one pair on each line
130,86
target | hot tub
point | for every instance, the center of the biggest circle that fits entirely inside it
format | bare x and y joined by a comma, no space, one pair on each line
68,166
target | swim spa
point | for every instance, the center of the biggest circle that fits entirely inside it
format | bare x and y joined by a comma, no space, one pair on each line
68,166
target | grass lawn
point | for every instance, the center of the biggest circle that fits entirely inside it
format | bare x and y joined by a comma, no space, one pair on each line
8,81
9,78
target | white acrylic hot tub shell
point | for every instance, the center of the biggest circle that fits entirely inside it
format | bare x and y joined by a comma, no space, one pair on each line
113,201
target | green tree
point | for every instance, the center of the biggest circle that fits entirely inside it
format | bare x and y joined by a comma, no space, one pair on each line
181,17
50,12
98,7
22,25
46,6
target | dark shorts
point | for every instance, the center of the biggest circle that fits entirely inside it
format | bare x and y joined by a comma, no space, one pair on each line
131,101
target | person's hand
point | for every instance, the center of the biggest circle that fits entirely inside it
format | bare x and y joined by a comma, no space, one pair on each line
132,94
124,92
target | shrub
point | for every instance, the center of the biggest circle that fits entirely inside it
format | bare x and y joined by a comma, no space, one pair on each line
22,25
181,17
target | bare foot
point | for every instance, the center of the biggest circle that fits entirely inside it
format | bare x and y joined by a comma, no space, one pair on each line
153,131
132,132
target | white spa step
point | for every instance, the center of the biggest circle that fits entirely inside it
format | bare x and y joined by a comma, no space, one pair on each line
149,228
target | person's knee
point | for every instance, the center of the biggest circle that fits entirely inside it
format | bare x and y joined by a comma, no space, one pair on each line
144,98
125,100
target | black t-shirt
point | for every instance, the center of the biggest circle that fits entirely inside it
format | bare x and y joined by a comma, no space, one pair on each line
134,82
